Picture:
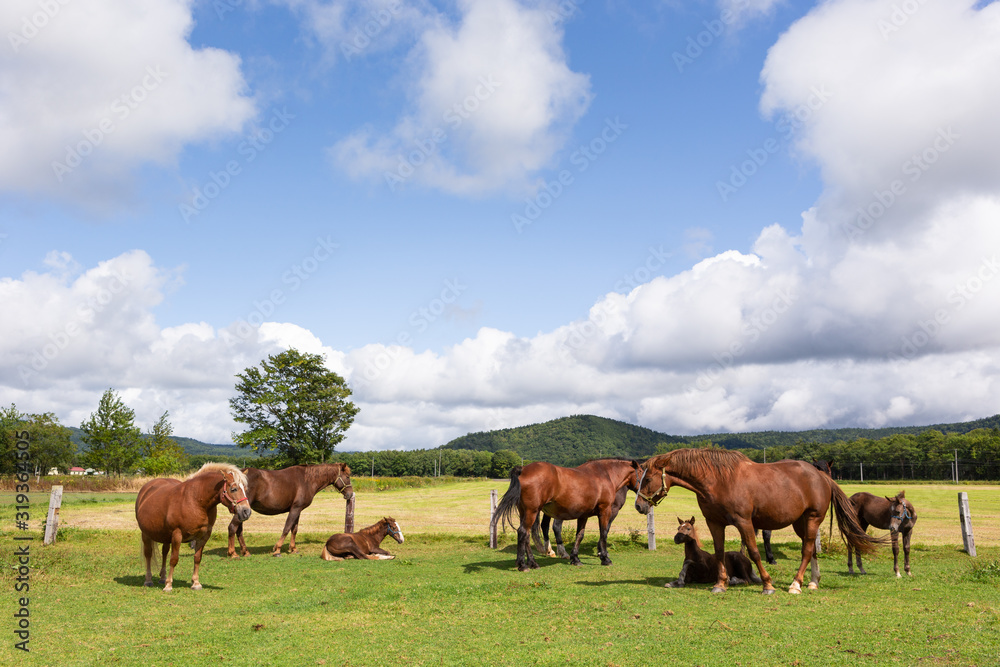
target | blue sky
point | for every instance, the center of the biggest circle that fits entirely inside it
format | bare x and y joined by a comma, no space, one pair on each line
655,212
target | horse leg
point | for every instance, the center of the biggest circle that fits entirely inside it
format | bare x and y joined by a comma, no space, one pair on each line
864,527
749,537
581,527
195,584
147,554
906,551
546,547
163,562
292,520
557,530
807,532
604,524
175,551
536,533
894,536
679,583
234,527
767,547
525,559
243,545
718,531
850,560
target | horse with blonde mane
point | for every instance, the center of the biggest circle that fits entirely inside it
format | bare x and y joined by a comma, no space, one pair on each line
170,512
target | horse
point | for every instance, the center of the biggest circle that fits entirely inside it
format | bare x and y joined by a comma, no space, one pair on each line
700,567
590,489
896,514
288,490
171,511
822,466
733,490
363,544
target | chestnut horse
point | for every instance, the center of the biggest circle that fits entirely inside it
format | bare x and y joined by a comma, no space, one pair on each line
564,493
171,511
822,466
896,514
363,544
288,490
733,490
700,567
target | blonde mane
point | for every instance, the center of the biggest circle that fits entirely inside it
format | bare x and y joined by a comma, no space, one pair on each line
238,474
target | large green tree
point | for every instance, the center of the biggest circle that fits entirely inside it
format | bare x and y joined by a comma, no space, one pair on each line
11,423
294,406
161,455
112,438
51,446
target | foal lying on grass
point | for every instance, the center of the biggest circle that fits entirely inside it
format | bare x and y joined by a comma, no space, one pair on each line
700,567
363,544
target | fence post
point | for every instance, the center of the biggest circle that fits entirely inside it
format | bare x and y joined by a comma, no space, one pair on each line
651,529
493,511
52,521
966,520
349,515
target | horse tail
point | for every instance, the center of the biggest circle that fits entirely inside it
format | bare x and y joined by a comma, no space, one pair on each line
505,508
850,528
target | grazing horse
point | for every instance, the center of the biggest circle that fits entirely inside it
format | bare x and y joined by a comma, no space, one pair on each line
363,544
171,511
565,493
896,514
700,567
733,490
822,466
288,490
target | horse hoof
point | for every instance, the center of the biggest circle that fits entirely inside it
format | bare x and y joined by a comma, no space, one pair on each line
606,562
813,586
167,589
149,584
275,553
196,587
768,591
718,589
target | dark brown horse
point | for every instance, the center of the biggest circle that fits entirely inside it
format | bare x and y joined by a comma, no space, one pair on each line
288,490
733,490
363,544
171,511
577,493
700,567
895,514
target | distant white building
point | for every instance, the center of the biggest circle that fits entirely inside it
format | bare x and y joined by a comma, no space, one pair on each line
77,470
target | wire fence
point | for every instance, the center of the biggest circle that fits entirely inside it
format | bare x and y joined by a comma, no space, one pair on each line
968,471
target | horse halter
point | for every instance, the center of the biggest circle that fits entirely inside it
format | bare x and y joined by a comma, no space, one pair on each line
658,497
392,529
905,515
344,485
225,492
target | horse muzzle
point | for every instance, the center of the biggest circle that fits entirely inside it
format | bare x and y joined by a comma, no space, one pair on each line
243,513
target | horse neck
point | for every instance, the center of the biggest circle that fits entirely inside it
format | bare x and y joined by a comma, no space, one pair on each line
322,475
698,483
376,531
206,489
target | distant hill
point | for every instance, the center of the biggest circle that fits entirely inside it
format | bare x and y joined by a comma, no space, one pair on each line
190,445
570,441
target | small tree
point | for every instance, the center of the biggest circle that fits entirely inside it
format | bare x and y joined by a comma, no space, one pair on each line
51,446
11,423
161,455
503,461
111,436
294,406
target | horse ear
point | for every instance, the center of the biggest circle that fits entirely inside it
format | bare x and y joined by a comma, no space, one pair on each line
691,521
680,521
902,494
891,500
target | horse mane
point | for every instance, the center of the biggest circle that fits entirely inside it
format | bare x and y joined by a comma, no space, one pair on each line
372,529
238,474
701,462
321,470
694,534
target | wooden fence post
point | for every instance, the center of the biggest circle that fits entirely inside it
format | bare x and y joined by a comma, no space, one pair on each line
52,521
493,511
651,529
349,515
966,520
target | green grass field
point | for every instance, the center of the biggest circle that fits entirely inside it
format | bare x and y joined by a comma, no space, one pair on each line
450,600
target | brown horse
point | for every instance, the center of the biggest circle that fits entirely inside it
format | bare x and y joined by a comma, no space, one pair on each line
363,544
288,490
733,490
896,514
700,567
171,511
822,466
564,493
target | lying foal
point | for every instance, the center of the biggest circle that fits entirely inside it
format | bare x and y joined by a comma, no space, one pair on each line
363,544
701,567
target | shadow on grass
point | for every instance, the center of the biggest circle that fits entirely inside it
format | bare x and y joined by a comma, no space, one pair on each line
138,581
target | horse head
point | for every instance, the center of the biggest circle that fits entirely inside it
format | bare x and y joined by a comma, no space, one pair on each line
343,481
898,511
234,494
685,531
393,528
654,483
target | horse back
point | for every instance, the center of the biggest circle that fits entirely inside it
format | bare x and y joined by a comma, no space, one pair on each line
873,510
275,491
156,507
776,494
565,493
